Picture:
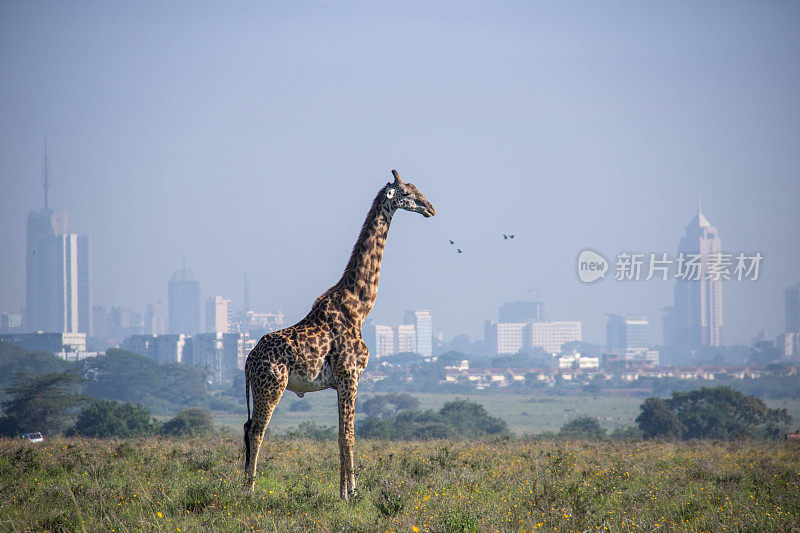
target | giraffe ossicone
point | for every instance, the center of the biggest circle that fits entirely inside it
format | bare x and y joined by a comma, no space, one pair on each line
325,349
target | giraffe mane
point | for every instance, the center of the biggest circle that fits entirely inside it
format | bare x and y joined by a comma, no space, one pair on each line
356,252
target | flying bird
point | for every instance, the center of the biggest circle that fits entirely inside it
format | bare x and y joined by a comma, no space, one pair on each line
458,250
510,236
452,242
505,237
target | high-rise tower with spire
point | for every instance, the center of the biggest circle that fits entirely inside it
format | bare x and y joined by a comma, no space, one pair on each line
695,320
58,276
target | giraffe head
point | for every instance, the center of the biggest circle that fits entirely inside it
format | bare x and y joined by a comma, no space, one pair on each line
401,195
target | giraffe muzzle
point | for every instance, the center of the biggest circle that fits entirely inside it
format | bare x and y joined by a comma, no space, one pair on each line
427,210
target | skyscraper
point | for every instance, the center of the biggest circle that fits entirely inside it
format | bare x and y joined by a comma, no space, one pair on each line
405,338
422,321
696,317
379,339
627,334
218,312
551,336
155,322
58,277
184,302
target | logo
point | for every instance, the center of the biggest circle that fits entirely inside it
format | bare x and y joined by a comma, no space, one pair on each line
591,266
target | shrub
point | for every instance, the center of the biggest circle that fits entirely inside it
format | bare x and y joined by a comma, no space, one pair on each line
300,405
189,422
456,419
103,418
310,430
582,428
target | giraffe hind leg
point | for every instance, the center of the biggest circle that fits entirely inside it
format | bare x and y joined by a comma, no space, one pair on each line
266,396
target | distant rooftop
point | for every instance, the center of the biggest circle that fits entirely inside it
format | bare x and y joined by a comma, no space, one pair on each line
183,274
699,220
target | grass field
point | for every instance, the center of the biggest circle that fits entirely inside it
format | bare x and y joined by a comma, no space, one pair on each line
193,485
525,414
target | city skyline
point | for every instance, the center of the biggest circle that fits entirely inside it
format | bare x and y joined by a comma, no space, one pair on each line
571,127
184,295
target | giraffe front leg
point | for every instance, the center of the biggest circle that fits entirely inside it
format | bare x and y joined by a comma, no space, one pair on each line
347,390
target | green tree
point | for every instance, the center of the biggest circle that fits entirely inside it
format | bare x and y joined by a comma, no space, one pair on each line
14,360
104,418
470,419
43,403
377,407
626,433
657,421
402,401
123,376
185,385
582,428
189,422
725,413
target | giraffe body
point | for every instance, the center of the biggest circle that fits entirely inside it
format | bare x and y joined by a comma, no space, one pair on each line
325,349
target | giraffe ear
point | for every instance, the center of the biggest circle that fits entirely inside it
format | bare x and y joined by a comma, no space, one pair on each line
397,180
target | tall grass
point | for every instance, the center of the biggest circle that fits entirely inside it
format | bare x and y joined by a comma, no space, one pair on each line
194,484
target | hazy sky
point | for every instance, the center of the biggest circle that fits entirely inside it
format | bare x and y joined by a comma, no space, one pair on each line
254,135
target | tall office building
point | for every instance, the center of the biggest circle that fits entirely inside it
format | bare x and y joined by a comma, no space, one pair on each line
378,338
155,320
696,317
123,321
405,338
184,302
422,321
218,313
789,341
58,277
551,336
627,335
522,311
512,337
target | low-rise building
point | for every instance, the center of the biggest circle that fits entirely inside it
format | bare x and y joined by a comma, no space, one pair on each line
47,342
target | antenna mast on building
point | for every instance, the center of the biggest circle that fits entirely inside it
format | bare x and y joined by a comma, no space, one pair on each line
248,295
45,174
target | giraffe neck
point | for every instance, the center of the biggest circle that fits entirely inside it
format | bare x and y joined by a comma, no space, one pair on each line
358,287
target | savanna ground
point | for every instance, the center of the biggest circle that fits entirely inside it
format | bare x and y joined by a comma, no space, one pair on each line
196,484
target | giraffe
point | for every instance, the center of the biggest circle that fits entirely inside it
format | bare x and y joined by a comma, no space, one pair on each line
325,349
